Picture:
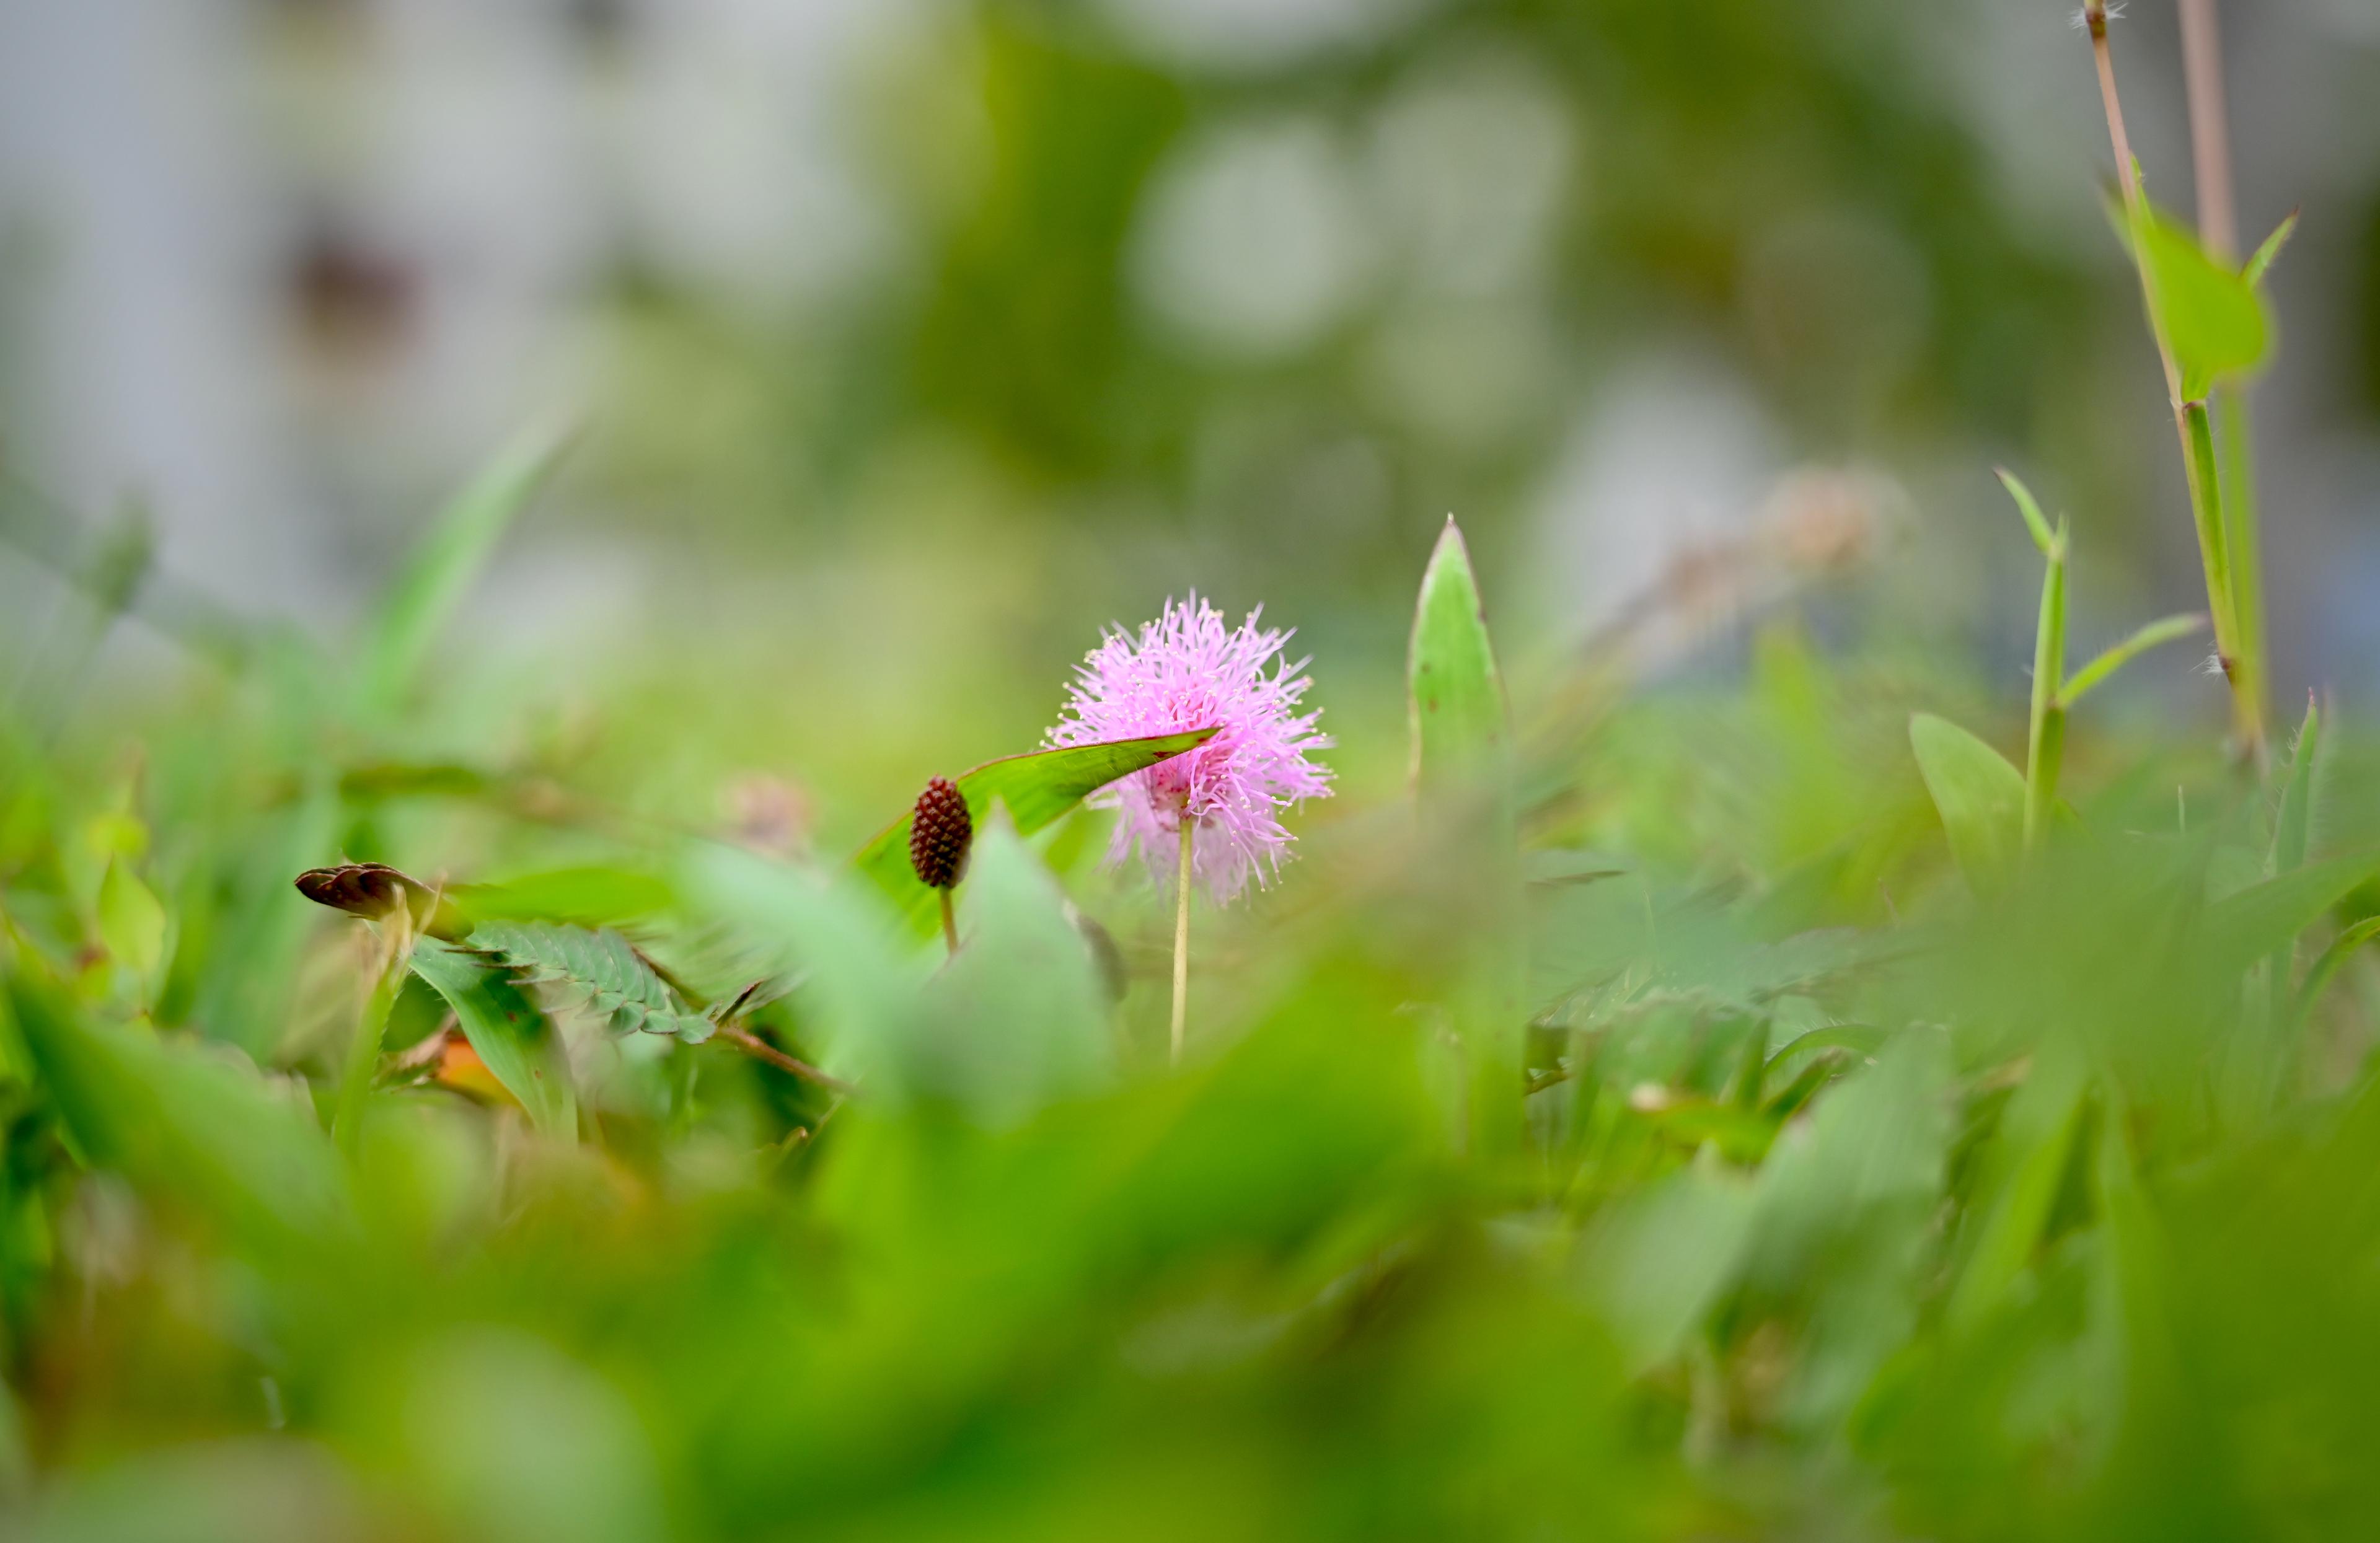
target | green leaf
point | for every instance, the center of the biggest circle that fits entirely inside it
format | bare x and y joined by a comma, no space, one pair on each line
450,557
597,973
2046,733
2026,505
2292,830
1461,723
131,923
2213,319
2164,630
1017,1020
1979,796
193,1120
1658,1263
2261,261
2244,927
2023,1166
1037,788
2333,958
512,1038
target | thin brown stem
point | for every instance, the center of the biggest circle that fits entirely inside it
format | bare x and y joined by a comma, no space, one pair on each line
2210,134
760,1050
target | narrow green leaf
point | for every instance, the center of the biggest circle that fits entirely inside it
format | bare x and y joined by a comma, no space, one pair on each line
1037,788
2261,261
2164,630
2332,960
1979,796
2025,1162
2292,830
2044,737
2244,927
450,557
511,1035
1461,724
2030,508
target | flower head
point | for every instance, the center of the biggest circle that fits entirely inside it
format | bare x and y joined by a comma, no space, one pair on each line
1185,670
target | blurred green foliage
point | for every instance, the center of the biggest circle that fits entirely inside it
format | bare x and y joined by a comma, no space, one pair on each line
1850,1199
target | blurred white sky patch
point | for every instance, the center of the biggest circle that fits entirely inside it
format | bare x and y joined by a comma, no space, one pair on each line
1253,241
1470,164
1676,456
1257,35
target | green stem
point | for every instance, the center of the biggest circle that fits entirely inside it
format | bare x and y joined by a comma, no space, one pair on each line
949,921
2240,547
2214,550
1182,942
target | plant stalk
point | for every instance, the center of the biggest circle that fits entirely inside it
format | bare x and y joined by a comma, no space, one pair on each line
950,921
2239,668
1182,942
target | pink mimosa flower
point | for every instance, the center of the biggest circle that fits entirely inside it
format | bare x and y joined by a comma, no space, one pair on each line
1187,671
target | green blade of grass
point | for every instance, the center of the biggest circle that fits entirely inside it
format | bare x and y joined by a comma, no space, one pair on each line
2030,508
2155,634
449,558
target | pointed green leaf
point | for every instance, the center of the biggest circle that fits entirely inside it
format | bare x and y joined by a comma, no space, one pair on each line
1979,796
1461,726
1037,788
511,1035
449,558
2165,631
2261,262
2293,831
2026,505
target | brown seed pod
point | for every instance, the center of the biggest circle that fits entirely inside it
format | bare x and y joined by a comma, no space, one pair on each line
375,892
940,832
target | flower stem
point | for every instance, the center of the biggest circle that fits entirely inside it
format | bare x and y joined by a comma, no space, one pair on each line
1182,942
950,921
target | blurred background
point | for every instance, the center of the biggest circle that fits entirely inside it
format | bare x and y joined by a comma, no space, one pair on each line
912,340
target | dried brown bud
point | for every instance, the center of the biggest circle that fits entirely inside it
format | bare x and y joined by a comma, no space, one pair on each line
939,831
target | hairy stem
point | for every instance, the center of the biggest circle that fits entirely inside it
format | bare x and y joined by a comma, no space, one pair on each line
1182,941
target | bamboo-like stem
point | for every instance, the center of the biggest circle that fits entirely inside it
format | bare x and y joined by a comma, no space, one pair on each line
949,921
2239,667
1182,941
